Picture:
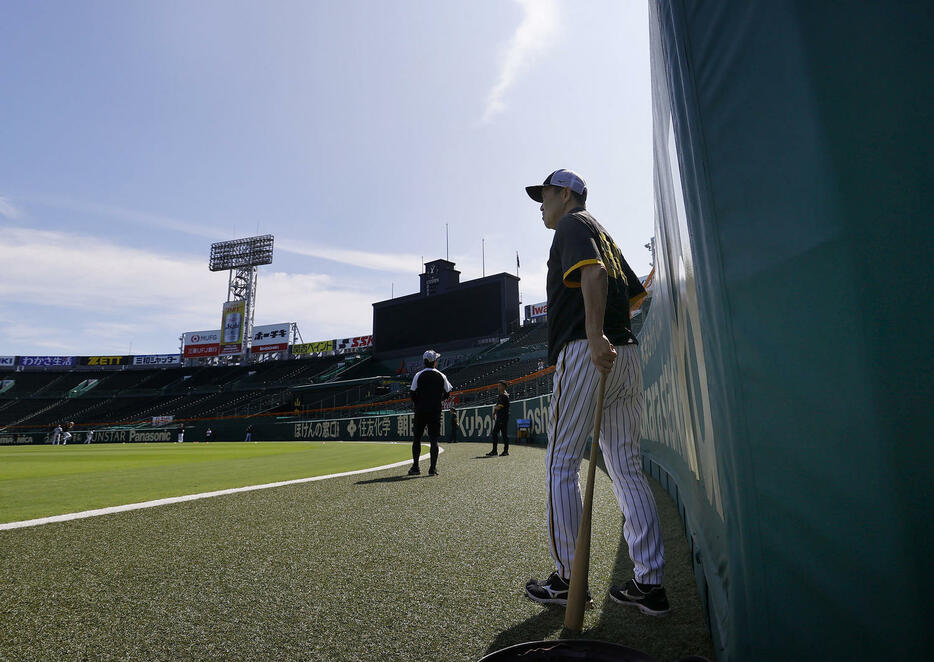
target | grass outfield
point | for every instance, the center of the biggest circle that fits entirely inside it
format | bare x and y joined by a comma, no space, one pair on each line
372,567
40,481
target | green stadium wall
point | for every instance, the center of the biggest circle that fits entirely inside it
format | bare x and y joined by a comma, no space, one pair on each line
787,359
475,424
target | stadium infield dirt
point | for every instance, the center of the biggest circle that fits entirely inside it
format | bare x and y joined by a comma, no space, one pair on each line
377,566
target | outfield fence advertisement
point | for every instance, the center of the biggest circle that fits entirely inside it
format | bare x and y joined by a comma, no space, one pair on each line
126,436
20,439
7,361
474,424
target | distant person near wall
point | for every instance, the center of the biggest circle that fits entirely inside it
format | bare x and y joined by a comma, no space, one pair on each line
501,422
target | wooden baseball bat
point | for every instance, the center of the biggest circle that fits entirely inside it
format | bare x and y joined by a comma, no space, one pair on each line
577,590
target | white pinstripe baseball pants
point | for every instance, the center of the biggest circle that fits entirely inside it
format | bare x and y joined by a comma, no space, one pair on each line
570,427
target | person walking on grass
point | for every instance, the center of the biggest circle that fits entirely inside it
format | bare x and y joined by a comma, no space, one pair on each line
430,388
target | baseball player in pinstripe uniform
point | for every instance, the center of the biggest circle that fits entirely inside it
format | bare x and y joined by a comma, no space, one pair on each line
590,290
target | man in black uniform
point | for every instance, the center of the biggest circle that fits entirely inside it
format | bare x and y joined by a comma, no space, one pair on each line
453,425
429,389
591,290
501,416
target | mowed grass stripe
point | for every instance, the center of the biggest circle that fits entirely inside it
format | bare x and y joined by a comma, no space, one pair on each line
370,567
44,481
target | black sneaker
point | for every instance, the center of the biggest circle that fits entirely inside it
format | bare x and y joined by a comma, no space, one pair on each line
651,600
552,591
504,453
415,471
432,471
491,454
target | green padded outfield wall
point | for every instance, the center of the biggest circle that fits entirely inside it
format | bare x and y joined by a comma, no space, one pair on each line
474,424
787,357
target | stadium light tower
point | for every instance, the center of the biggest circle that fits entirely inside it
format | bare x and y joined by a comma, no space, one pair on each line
242,257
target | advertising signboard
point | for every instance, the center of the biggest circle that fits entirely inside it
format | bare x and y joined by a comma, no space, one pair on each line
313,347
104,360
7,361
359,342
271,338
536,310
201,343
474,424
47,361
156,360
232,320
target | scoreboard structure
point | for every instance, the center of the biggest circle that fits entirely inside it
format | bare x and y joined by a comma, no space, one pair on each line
446,311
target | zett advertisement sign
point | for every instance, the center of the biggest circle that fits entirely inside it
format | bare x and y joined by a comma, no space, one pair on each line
105,360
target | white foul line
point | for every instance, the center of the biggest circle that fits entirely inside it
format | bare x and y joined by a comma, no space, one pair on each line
193,497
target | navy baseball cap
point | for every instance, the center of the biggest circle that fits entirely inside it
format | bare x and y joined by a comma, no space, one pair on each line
562,178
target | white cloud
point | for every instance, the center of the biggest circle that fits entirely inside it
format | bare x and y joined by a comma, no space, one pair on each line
81,272
322,309
536,31
393,262
76,294
7,209
133,216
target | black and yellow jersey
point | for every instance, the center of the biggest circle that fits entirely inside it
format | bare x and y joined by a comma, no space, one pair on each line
579,241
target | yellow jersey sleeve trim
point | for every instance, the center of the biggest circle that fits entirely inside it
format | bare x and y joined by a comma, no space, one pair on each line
636,300
583,263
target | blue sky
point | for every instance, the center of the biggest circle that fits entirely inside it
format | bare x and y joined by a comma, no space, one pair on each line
135,134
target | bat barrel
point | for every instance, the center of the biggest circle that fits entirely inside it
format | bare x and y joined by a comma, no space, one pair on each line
577,590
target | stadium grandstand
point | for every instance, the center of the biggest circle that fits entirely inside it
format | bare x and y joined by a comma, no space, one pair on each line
307,381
